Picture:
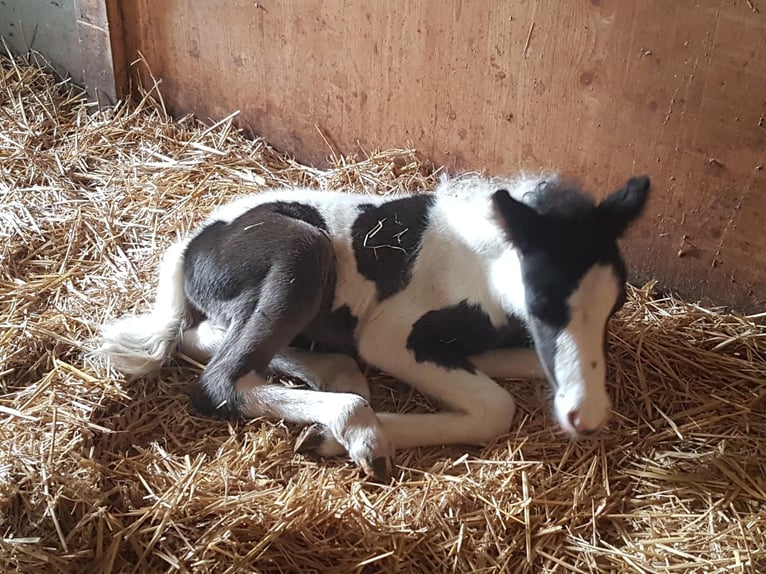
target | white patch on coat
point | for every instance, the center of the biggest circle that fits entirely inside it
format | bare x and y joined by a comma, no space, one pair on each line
466,255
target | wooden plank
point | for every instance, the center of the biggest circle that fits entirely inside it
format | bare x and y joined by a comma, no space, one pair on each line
46,26
73,36
117,46
601,90
95,46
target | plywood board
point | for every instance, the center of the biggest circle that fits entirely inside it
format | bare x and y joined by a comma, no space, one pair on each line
47,26
71,35
601,90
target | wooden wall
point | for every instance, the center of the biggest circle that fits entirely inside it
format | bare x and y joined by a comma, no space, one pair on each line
600,89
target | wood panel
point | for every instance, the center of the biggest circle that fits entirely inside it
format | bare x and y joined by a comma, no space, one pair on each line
72,35
96,47
46,26
601,90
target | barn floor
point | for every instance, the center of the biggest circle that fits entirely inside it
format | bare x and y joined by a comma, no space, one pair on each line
119,475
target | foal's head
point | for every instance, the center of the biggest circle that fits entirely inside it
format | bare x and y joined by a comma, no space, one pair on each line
574,281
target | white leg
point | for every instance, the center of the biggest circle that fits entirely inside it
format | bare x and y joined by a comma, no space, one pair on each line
348,418
482,410
510,363
203,340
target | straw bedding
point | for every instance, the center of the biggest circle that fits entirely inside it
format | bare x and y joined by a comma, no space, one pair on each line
120,475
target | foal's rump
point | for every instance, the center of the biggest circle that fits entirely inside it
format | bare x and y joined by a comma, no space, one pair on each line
273,261
231,266
267,274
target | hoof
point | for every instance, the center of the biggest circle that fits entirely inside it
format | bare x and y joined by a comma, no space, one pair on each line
379,469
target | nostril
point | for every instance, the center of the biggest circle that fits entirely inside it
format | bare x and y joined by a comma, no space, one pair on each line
572,418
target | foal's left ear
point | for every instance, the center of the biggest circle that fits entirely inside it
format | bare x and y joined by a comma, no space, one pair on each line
623,206
523,224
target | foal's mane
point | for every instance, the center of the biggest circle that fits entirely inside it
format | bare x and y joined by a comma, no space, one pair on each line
547,193
562,199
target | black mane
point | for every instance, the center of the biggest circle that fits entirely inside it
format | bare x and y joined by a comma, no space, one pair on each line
560,199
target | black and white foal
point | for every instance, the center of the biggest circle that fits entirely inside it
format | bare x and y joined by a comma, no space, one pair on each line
438,290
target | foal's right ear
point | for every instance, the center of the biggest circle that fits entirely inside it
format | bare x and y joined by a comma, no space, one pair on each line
625,205
522,223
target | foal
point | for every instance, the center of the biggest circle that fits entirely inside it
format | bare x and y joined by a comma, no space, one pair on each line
439,290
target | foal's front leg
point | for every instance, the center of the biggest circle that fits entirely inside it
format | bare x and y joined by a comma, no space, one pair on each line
510,363
347,417
479,409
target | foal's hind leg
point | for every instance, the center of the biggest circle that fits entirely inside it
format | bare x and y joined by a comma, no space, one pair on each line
333,372
264,324
203,340
345,416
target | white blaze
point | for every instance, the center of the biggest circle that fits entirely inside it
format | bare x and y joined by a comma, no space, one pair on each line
580,364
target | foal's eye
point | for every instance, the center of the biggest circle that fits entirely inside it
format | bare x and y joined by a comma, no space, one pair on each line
552,313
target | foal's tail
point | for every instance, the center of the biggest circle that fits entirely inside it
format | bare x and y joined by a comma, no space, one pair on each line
139,344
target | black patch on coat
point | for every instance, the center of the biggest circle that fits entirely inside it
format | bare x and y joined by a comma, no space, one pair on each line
451,335
331,332
386,239
513,334
215,272
225,259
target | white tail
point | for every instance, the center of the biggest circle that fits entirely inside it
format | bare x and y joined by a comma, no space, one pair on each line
139,344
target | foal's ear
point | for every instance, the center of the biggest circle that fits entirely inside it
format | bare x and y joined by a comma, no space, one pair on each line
524,224
622,207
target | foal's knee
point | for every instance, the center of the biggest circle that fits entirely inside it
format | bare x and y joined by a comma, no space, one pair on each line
495,414
348,378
